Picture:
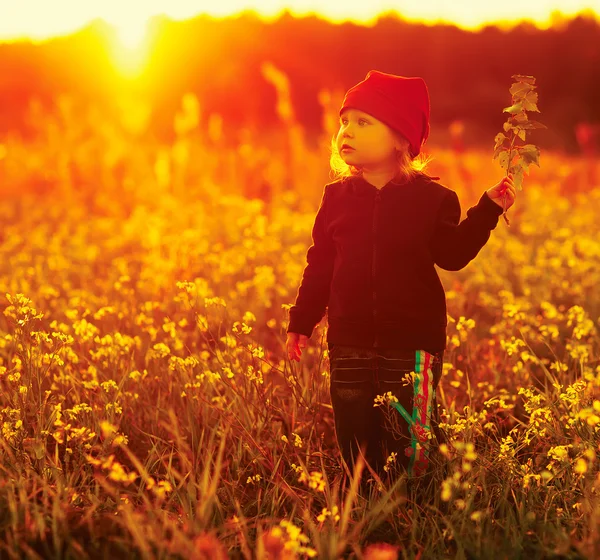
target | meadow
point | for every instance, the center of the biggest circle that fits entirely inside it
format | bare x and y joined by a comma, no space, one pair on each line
148,407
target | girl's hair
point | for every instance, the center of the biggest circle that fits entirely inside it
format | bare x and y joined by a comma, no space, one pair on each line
407,166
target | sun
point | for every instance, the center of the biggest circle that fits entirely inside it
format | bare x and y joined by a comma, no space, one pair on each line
130,45
132,34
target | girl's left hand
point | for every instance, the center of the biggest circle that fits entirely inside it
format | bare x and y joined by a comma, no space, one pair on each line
506,185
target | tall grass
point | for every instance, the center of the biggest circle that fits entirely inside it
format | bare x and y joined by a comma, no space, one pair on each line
147,404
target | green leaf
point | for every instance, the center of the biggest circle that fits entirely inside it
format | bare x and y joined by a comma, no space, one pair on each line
520,89
516,165
530,100
521,134
498,150
530,125
511,128
520,117
529,153
518,178
522,78
499,139
516,108
503,159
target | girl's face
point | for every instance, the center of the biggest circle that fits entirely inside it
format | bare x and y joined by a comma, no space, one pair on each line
373,143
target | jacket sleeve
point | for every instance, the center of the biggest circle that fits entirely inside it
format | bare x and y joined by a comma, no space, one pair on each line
313,294
455,243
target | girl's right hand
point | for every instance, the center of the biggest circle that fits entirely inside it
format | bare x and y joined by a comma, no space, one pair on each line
295,342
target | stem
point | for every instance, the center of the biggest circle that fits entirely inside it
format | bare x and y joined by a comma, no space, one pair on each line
512,142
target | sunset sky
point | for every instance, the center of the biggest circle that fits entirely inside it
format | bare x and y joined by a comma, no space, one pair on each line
41,19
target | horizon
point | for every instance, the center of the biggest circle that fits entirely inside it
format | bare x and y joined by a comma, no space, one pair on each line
67,17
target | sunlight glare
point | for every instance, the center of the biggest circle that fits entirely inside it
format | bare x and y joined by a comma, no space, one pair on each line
132,34
65,16
130,45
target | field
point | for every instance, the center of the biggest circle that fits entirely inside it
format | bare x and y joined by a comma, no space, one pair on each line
149,410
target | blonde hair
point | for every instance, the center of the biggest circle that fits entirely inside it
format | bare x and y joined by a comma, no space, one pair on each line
407,166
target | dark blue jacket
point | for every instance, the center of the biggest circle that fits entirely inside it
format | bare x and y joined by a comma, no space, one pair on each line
371,264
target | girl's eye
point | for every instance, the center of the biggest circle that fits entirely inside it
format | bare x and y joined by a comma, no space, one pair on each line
344,121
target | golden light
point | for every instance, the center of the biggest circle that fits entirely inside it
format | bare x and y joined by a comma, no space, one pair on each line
132,33
130,46
40,19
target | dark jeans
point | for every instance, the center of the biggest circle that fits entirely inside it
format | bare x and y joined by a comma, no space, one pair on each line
358,375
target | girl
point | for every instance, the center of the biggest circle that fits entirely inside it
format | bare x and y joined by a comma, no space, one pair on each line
380,229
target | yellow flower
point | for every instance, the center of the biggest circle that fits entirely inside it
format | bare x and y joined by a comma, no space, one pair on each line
161,350
559,452
389,460
316,481
476,515
208,302
384,399
334,514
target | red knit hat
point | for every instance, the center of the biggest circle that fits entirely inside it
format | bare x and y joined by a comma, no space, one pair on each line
400,102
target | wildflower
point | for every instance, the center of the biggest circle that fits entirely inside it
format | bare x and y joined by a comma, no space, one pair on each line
334,514
470,455
161,489
107,429
559,452
582,325
253,479
444,450
391,459
507,448
20,309
244,327
528,477
208,302
114,406
253,374
110,384
284,545
448,486
581,466
512,346
85,331
316,481
187,287
384,399
296,539
119,474
161,350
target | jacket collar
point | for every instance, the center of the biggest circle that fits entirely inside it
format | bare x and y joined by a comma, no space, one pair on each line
362,187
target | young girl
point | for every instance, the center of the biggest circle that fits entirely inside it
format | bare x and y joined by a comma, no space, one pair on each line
379,231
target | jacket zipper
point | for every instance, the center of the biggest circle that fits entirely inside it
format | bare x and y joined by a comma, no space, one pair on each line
375,216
